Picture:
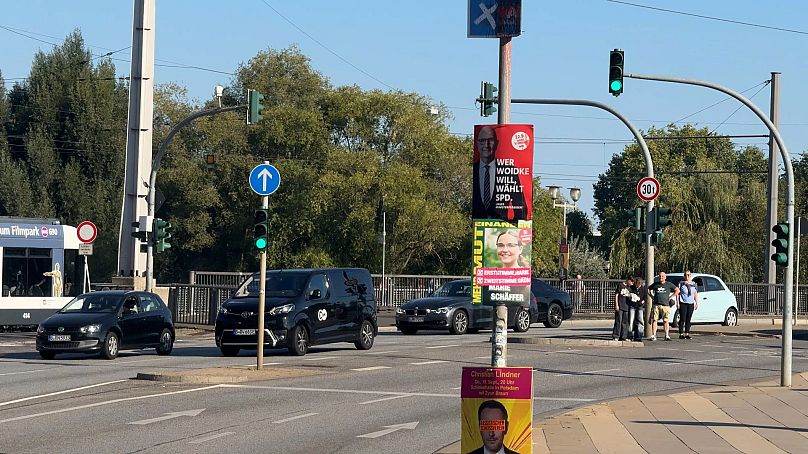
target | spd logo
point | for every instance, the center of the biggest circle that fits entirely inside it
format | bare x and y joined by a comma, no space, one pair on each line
322,314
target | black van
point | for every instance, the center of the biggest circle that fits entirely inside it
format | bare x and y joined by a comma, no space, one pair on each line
303,307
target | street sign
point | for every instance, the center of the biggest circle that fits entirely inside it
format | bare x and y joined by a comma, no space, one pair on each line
87,232
648,189
265,179
86,249
494,18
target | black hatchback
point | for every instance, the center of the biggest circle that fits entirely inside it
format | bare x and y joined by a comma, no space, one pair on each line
106,322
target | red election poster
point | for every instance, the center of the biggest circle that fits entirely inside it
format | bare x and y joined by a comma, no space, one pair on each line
503,172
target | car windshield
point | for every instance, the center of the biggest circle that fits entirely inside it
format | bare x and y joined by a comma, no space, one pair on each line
455,288
92,304
277,284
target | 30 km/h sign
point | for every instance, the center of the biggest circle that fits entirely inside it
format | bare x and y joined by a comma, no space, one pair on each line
648,189
87,231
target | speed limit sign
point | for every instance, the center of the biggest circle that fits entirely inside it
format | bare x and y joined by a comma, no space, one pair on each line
648,189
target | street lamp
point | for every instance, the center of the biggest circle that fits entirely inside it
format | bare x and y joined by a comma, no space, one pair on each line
564,248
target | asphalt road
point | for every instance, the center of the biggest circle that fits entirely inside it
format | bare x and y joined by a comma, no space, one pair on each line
401,396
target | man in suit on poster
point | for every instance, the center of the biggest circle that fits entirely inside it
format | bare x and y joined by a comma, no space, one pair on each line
487,201
493,419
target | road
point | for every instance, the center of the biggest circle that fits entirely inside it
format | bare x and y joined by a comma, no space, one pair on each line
401,396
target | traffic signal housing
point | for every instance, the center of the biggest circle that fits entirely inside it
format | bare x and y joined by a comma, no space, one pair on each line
255,104
616,72
780,244
487,99
161,235
662,218
141,234
261,229
634,218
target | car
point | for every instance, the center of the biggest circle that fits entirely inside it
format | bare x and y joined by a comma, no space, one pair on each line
717,303
553,305
303,307
106,322
449,307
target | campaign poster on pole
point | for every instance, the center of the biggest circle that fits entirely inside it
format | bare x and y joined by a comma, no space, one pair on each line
501,258
496,410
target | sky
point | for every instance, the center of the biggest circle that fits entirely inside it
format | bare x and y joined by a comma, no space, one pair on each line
421,46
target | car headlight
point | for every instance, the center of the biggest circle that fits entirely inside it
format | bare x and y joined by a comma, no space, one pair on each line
90,329
285,309
40,329
400,311
441,310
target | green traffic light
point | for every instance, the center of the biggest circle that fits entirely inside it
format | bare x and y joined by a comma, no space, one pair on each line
260,243
780,259
616,85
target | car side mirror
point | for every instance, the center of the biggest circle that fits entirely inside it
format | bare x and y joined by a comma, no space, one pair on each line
315,294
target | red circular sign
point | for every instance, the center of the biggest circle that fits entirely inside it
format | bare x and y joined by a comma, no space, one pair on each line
648,189
87,231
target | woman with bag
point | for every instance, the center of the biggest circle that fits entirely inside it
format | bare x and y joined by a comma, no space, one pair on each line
688,302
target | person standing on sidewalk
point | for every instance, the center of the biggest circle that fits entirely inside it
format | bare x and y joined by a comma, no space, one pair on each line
622,298
636,310
662,292
687,303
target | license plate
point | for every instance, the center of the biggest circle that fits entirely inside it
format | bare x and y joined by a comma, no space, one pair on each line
59,337
244,332
415,319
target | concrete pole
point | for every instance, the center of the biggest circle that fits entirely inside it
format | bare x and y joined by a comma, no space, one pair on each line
771,205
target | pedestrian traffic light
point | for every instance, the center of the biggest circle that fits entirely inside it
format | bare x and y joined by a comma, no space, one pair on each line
161,234
662,218
616,72
487,99
255,104
261,229
780,244
634,218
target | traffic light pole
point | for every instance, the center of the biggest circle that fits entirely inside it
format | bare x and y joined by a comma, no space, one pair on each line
788,286
153,178
262,291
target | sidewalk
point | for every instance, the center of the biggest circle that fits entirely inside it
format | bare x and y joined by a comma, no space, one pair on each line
757,417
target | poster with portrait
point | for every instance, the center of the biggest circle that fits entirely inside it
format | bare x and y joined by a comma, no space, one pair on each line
496,410
501,260
502,176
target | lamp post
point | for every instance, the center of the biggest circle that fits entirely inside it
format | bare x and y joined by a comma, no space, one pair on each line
564,248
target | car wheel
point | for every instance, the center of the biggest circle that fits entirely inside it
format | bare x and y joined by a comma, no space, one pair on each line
676,320
554,316
298,341
166,343
365,341
731,317
460,322
408,331
47,355
521,321
228,350
111,346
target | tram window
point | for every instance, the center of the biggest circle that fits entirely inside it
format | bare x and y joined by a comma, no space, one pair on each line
73,274
22,272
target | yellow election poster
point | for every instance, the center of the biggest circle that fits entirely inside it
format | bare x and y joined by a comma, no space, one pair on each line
496,410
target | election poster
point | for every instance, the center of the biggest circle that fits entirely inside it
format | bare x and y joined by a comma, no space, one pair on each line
502,263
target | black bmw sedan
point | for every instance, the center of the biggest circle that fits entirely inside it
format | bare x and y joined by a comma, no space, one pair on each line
106,322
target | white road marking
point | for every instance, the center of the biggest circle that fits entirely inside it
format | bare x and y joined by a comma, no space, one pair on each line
686,362
457,387
108,402
24,372
586,372
382,399
365,369
390,429
483,357
320,358
305,415
210,438
167,416
423,363
2,404
383,353
444,346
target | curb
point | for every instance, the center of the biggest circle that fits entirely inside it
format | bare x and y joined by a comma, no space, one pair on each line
574,342
225,375
738,334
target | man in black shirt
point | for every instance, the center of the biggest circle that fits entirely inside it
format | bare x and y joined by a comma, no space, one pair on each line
622,299
662,292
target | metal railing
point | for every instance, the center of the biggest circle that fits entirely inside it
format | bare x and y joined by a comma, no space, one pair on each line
218,278
197,304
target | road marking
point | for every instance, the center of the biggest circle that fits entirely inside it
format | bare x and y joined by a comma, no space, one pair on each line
685,362
586,372
108,402
24,372
390,429
320,358
382,399
2,404
365,369
681,350
483,357
423,363
305,415
167,416
210,438
444,346
457,387
253,364
383,353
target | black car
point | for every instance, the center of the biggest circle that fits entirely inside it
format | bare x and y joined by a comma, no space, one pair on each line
302,308
450,307
106,322
554,305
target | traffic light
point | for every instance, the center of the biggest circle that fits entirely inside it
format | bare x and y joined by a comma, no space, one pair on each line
662,218
261,230
780,244
161,234
616,72
487,99
141,234
255,104
634,218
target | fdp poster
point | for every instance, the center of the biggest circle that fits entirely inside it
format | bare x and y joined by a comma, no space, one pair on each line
501,259
497,410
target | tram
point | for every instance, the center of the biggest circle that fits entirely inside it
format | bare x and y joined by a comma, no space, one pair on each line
40,270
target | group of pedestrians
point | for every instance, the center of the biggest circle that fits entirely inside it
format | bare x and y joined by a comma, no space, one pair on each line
629,307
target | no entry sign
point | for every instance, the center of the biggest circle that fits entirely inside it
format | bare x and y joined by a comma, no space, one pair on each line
648,189
87,231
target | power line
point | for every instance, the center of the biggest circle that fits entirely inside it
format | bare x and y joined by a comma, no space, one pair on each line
764,83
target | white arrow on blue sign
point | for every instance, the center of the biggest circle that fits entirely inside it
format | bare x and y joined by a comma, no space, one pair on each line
265,179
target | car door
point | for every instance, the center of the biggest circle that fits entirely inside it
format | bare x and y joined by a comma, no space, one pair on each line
152,314
716,301
131,322
320,309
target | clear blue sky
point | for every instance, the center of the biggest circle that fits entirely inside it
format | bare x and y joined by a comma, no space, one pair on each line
421,46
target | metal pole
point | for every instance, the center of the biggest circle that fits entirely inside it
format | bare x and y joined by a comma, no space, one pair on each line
785,364
85,279
499,339
771,204
262,291
384,250
797,277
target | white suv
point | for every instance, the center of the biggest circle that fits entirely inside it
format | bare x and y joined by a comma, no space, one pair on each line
716,303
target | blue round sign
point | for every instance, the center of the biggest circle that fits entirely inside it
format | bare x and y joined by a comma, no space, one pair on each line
265,179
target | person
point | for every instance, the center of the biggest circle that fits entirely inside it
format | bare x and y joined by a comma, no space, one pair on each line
509,250
662,292
622,297
687,303
490,415
578,290
636,310
486,200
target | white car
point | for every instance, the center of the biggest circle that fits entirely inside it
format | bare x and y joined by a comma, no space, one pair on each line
716,303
